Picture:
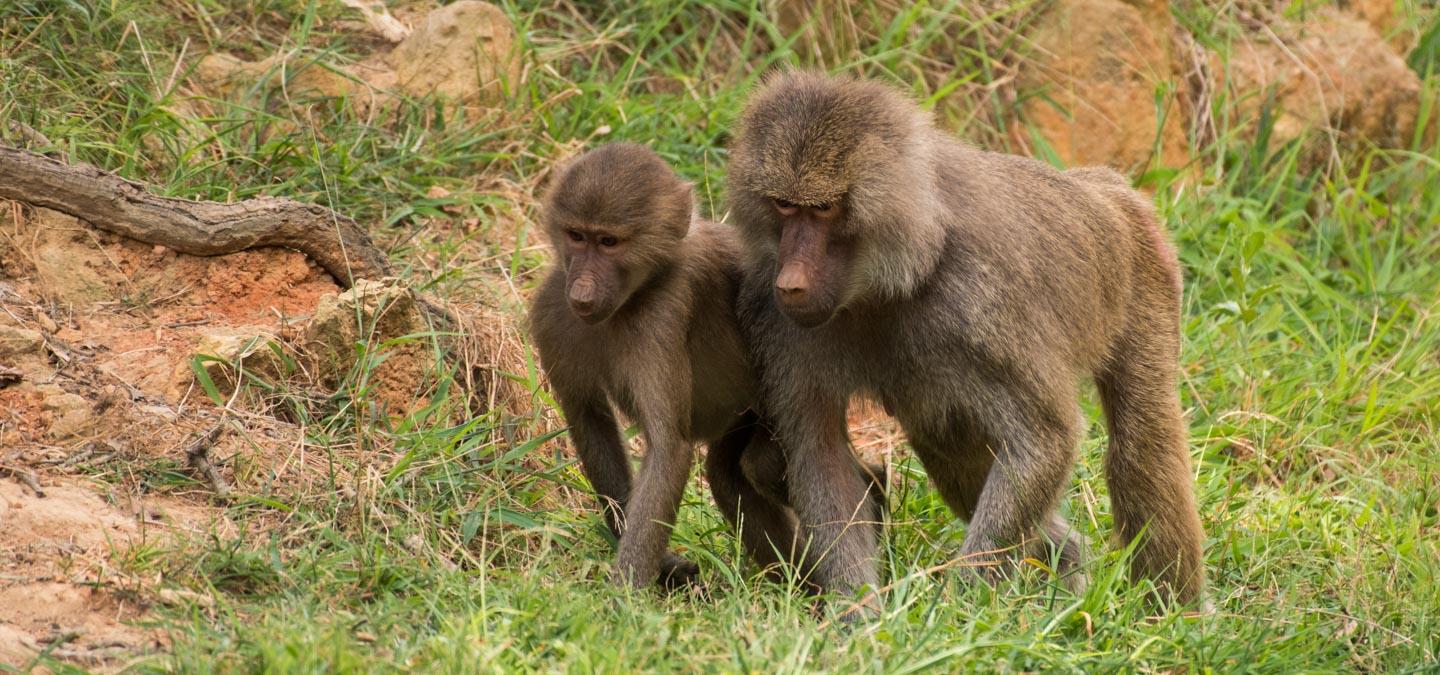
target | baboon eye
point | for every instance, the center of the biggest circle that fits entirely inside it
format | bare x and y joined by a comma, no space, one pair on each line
785,207
608,241
824,208
574,235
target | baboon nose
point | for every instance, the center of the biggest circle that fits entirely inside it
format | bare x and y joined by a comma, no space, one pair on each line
793,282
582,297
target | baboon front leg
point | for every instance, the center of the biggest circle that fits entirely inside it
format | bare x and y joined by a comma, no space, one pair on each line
655,497
605,463
830,498
603,460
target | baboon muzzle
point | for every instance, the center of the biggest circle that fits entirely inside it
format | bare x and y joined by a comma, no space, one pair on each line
801,287
582,297
793,283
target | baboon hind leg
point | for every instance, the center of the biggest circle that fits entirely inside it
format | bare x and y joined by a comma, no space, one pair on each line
959,463
1148,465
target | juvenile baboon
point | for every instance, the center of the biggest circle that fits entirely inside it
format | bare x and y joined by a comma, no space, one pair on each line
968,291
639,317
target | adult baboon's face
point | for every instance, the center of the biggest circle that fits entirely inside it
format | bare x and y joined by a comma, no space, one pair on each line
809,159
813,260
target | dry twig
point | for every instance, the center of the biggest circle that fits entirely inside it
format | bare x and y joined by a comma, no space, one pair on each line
198,453
20,473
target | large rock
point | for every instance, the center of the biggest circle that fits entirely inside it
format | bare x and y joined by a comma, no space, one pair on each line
1095,68
1334,72
463,51
382,322
1381,16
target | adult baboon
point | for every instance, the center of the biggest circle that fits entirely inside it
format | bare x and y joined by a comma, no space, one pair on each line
968,291
639,317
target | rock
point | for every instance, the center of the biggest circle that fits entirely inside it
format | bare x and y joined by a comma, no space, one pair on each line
179,597
70,413
378,309
222,353
373,314
46,323
365,85
22,354
17,341
70,268
464,52
221,73
1381,16
1097,65
1341,76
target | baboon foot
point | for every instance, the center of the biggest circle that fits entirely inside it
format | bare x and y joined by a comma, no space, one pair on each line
677,572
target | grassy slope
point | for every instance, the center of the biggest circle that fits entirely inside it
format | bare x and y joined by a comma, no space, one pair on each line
1313,383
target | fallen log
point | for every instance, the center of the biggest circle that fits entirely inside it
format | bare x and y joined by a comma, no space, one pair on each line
202,228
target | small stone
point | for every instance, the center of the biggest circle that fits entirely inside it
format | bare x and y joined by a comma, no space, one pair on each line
220,350
15,341
70,413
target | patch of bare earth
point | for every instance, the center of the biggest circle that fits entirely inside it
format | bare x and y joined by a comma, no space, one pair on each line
96,334
110,350
60,591
97,391
101,339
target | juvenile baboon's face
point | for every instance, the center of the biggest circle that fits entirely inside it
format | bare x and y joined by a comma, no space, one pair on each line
598,275
616,216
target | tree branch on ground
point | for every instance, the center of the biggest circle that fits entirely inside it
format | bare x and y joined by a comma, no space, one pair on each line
202,228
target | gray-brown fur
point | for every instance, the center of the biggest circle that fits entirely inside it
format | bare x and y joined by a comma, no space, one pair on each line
653,337
969,292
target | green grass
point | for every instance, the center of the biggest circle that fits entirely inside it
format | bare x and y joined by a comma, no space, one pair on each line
1312,386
